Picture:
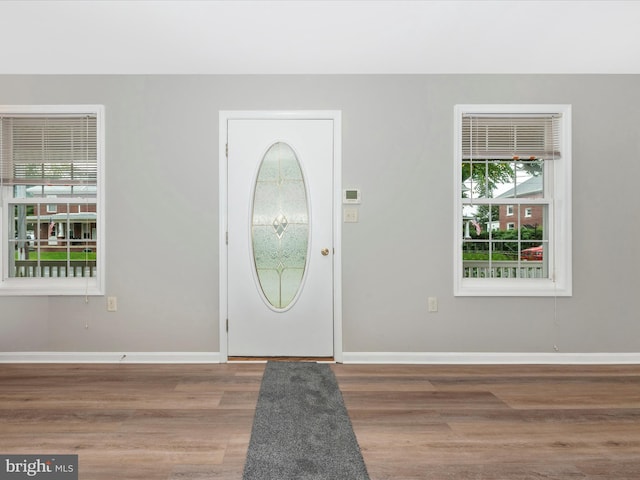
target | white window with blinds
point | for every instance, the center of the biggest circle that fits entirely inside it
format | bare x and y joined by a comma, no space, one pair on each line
512,187
52,200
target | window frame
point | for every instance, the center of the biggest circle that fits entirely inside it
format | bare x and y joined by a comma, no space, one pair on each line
557,196
36,286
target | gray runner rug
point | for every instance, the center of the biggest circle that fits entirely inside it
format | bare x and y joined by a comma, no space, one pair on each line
301,429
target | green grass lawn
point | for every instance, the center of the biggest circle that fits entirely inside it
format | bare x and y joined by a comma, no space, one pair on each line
482,256
62,256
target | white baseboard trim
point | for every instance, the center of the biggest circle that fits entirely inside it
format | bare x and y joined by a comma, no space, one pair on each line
481,358
429,358
110,357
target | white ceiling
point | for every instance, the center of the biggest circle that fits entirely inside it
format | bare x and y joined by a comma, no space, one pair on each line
343,36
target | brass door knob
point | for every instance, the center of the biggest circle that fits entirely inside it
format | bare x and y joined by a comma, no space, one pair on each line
324,251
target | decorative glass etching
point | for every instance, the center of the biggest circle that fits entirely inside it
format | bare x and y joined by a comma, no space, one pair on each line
280,226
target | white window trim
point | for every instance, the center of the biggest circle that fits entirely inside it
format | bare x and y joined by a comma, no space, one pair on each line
85,286
560,281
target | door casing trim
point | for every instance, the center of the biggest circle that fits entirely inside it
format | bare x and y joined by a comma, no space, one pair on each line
336,117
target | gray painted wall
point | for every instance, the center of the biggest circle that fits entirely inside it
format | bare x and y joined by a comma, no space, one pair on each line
397,147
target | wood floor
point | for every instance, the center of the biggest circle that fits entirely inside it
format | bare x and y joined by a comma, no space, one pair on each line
412,422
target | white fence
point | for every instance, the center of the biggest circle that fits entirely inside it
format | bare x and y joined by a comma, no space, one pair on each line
504,269
55,268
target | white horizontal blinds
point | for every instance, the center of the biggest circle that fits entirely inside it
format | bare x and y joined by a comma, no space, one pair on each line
520,136
6,172
48,150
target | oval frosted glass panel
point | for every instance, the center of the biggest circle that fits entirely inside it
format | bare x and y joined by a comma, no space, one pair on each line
280,226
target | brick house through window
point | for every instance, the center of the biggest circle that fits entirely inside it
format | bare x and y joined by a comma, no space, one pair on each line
66,224
530,216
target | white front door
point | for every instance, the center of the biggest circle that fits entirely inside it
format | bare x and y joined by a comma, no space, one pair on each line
280,246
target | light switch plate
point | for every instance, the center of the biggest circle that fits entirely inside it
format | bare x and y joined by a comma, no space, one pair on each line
350,215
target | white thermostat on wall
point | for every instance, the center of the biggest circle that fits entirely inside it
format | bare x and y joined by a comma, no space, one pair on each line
351,195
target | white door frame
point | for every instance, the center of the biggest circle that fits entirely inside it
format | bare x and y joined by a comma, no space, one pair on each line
334,115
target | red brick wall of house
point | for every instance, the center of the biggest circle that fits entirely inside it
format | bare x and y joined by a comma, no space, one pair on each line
536,218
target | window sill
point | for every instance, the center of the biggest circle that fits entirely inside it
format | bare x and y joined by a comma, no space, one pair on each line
46,287
497,287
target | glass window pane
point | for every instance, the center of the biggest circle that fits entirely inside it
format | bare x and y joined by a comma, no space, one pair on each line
61,244
527,181
512,247
502,179
487,178
280,226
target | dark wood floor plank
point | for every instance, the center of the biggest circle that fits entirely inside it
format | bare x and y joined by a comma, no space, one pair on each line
407,400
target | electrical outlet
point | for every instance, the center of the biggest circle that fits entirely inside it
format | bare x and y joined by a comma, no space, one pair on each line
112,304
432,304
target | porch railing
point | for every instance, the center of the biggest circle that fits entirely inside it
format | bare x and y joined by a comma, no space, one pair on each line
503,269
55,268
